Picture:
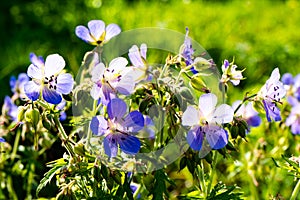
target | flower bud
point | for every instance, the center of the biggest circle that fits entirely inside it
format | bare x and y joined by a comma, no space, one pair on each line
198,83
21,111
32,116
79,149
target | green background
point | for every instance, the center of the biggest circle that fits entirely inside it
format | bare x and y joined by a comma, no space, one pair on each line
259,35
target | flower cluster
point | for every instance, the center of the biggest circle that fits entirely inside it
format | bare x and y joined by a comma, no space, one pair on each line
292,85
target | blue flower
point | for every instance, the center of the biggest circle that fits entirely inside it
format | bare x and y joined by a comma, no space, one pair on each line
271,93
187,49
205,122
17,85
118,129
107,81
248,113
293,119
47,79
134,187
2,139
60,107
10,109
97,33
287,79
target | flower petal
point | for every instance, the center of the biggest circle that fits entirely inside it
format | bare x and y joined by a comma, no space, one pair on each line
96,28
190,116
2,139
37,61
116,108
117,65
35,72
272,112
110,145
143,50
97,72
254,121
126,85
54,64
133,122
135,56
83,33
195,137
98,125
216,136
96,92
129,144
111,31
223,114
207,104
32,90
51,96
65,83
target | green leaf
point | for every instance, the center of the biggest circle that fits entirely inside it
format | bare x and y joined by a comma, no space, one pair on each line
48,176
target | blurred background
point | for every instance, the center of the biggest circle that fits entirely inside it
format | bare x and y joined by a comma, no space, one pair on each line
259,35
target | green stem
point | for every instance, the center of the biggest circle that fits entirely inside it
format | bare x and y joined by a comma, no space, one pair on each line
295,191
89,132
16,144
246,98
201,179
166,66
212,171
64,136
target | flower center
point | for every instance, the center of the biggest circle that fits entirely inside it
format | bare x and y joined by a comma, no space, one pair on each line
51,82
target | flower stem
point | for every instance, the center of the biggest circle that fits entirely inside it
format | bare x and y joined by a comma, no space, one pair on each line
201,179
16,144
64,137
212,171
295,191
246,98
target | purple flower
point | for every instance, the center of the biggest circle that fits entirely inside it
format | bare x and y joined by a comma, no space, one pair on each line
17,85
10,109
270,94
118,129
134,187
107,81
231,74
296,87
97,33
205,122
293,119
187,49
287,79
138,59
2,139
61,107
248,113
47,79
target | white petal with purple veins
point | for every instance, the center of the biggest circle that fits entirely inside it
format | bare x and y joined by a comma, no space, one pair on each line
65,83
54,64
111,31
96,28
97,72
117,64
223,114
32,90
190,116
207,104
35,72
83,33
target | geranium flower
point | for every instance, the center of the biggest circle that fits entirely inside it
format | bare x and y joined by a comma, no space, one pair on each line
231,74
118,129
107,81
293,119
206,122
17,85
138,59
271,93
2,139
248,113
97,33
47,79
10,109
187,50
